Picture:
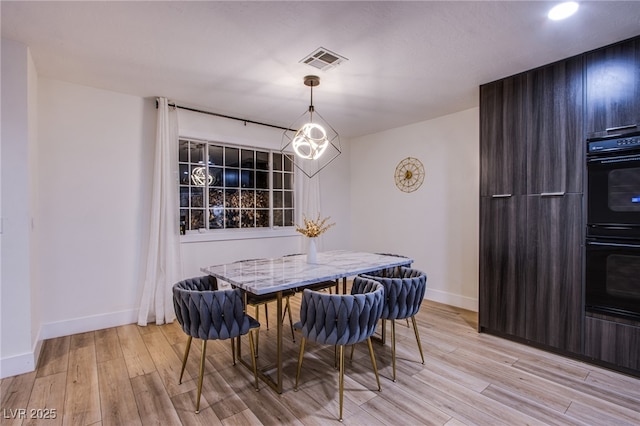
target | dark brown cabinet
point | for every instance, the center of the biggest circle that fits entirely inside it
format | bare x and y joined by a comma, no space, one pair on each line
502,264
555,145
613,342
613,86
502,133
531,226
554,271
533,130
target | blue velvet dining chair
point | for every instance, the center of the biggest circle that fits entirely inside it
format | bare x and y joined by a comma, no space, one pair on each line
341,319
206,313
404,293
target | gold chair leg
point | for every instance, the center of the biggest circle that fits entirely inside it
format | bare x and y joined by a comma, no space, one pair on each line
204,352
415,329
393,347
302,342
373,363
184,359
341,379
233,351
288,309
352,349
253,359
258,333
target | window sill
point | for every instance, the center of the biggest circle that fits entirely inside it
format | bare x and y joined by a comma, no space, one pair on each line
238,234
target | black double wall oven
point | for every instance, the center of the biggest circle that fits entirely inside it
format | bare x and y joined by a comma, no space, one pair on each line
613,226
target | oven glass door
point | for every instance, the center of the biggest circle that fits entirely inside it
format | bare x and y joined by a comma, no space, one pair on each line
613,278
614,196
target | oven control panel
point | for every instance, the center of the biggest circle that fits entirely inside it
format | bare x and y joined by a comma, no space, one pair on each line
606,145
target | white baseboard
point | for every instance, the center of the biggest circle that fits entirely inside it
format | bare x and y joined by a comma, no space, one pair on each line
22,363
456,300
89,323
17,364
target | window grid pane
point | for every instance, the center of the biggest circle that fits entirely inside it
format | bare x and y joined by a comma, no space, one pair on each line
228,187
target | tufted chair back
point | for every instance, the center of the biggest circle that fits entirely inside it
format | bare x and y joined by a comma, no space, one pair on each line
209,314
206,313
404,292
389,272
342,319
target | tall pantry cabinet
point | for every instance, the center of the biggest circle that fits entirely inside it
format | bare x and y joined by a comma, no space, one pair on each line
531,221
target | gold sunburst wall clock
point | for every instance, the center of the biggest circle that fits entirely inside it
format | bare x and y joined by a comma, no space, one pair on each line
409,174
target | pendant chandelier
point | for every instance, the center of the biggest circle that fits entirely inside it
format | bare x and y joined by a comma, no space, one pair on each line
313,141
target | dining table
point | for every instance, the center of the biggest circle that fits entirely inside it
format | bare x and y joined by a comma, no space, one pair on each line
279,274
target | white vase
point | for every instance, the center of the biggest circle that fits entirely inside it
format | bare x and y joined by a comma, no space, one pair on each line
312,252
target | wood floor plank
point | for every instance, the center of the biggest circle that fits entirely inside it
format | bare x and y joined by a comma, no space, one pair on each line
604,415
504,413
625,386
578,389
135,352
154,404
14,396
82,403
514,380
168,364
118,404
244,418
389,410
47,400
540,412
185,404
223,399
267,406
107,345
54,357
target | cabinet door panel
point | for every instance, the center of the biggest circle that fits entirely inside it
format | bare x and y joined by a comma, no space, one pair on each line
555,146
502,137
612,342
502,292
554,271
613,86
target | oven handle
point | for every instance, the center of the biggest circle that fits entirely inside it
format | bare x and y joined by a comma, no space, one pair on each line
624,245
614,159
615,129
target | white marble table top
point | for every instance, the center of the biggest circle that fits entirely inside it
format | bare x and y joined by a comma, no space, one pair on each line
262,276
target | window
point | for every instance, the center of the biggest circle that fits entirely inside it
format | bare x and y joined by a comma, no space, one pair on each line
230,187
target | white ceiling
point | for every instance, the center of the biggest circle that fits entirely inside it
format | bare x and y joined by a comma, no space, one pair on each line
407,61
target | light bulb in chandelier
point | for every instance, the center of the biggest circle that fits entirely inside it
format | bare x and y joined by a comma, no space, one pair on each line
310,141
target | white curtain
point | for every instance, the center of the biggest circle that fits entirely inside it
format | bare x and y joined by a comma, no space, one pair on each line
310,204
164,262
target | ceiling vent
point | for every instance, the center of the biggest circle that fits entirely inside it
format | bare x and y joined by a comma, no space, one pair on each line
323,59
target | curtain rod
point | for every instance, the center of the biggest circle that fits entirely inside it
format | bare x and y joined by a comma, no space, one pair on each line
245,121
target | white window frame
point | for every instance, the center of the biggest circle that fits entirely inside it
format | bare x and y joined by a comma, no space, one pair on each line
270,231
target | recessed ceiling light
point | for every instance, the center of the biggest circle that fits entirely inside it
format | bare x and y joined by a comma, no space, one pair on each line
563,10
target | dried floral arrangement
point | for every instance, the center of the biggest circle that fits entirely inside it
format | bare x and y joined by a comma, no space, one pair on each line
313,228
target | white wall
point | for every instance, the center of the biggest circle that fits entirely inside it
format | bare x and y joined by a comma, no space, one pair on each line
437,225
19,344
95,153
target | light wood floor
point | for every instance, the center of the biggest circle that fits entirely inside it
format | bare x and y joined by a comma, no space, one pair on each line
129,375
